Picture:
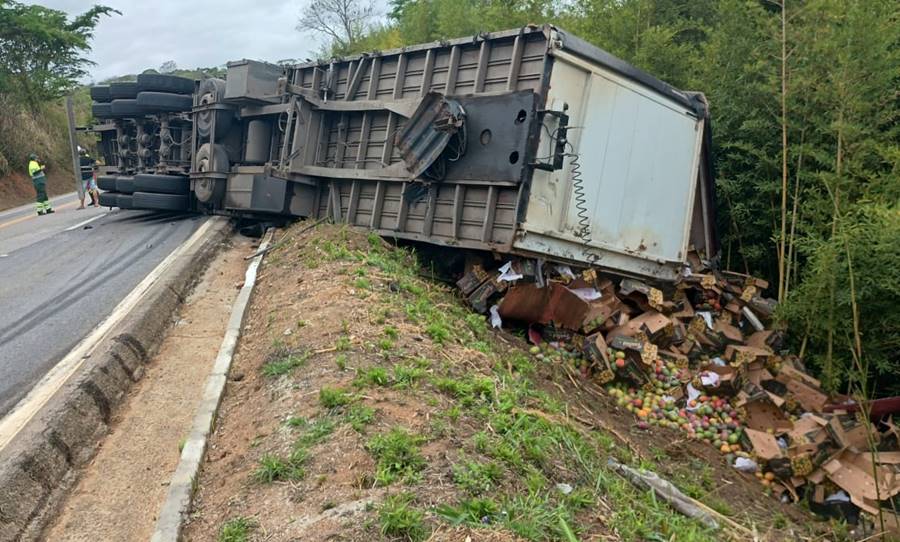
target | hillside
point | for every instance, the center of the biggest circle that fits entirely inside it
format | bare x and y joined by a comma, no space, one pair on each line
368,403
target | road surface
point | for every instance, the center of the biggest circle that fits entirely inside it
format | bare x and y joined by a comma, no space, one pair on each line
62,274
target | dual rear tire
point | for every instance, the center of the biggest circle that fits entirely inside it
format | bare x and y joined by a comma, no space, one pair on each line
146,191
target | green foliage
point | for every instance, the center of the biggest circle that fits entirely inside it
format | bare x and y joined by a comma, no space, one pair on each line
476,478
359,416
373,376
41,50
236,530
283,361
397,455
272,468
867,240
332,398
399,519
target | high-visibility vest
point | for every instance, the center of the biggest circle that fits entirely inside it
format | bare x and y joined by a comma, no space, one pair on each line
34,169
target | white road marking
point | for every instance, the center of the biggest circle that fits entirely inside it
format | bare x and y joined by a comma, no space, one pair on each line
85,222
32,403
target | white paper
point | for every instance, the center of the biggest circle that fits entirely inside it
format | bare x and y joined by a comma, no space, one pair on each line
507,274
707,316
686,271
692,394
496,322
719,361
840,496
587,294
708,378
744,464
565,271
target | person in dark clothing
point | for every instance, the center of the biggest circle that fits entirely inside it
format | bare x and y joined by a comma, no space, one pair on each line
88,178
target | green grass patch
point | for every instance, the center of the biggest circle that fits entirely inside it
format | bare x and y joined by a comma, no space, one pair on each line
236,530
406,376
373,376
332,398
283,363
476,478
469,390
272,468
397,456
399,520
359,416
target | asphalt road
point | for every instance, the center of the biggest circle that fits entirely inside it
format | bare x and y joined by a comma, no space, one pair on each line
62,274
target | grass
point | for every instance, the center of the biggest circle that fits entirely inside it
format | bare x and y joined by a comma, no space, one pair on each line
476,478
273,468
397,456
282,363
373,376
359,416
508,473
399,520
236,530
333,398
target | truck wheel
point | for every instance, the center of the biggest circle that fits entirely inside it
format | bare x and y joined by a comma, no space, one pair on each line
161,202
126,108
109,199
162,184
211,91
125,90
107,182
101,110
125,185
124,201
154,82
164,101
100,93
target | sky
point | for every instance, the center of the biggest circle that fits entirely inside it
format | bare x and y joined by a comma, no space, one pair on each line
193,33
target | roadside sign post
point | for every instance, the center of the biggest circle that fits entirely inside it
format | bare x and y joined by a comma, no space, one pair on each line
76,163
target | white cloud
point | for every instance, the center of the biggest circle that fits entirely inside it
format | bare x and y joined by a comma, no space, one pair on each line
197,33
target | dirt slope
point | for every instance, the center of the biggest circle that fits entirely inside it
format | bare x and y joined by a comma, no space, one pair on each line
17,189
367,403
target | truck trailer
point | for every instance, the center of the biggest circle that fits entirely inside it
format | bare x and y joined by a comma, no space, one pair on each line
529,142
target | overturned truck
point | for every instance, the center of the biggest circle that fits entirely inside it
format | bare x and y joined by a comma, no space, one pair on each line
529,142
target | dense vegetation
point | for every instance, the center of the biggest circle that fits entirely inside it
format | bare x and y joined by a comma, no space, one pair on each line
41,59
805,117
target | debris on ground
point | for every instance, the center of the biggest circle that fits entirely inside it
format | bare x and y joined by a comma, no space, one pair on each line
393,412
702,356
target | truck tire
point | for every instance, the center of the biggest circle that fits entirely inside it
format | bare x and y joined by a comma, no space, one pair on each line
101,110
100,93
124,201
161,202
107,182
164,101
109,199
125,90
124,185
162,184
122,107
212,91
154,82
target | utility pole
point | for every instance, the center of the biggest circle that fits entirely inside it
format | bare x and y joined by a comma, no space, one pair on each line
76,163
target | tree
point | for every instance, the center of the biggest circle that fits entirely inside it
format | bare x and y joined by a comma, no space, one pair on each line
41,50
343,22
169,66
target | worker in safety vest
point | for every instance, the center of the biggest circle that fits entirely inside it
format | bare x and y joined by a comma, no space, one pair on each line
36,170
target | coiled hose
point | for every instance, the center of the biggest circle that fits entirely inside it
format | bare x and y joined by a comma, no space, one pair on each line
583,231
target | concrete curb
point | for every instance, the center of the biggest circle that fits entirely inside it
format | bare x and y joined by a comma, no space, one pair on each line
181,488
41,464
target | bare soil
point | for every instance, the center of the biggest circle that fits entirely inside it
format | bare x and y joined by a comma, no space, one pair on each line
17,189
121,491
324,297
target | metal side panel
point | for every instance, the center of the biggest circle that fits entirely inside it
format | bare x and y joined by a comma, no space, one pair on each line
472,216
638,152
